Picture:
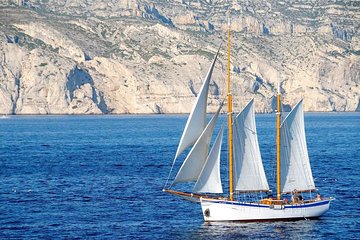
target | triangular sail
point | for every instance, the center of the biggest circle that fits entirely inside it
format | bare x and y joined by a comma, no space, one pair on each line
197,119
210,180
195,160
295,164
249,174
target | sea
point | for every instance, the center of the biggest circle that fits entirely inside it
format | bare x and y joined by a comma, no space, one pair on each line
101,177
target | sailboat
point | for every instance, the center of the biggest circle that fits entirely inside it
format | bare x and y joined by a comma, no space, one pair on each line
246,171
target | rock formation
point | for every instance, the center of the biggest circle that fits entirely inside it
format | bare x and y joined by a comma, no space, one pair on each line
127,56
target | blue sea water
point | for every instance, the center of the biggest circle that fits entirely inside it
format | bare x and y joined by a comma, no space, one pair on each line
100,177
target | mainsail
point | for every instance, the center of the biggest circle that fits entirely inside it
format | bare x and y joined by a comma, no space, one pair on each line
197,119
210,180
249,174
191,168
295,164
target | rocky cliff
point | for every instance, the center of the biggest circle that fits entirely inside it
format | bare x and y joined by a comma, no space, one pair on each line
135,56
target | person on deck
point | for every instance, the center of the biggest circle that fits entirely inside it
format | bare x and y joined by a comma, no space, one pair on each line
295,196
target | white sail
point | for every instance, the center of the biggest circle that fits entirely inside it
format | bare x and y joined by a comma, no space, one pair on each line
249,174
195,160
295,164
197,119
210,180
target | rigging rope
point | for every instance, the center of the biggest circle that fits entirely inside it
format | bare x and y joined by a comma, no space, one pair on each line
167,180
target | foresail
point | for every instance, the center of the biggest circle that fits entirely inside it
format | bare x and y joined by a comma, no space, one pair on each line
195,160
249,174
295,164
197,119
210,180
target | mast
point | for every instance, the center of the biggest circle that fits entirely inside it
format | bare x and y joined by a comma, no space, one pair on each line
230,125
278,122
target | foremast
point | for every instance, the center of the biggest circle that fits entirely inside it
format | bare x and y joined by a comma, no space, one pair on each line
278,138
230,120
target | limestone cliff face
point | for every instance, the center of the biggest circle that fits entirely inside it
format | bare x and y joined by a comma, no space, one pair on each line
94,57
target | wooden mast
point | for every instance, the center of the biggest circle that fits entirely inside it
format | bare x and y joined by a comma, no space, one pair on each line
278,122
230,131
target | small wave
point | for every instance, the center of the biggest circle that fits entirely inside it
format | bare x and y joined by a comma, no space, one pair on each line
119,165
87,198
154,165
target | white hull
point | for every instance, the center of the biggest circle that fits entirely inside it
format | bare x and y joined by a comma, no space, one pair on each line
223,210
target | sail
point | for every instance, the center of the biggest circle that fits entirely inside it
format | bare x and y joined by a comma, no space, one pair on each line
295,164
210,180
195,160
197,119
249,174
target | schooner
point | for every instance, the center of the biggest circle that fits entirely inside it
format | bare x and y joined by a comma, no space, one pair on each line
246,171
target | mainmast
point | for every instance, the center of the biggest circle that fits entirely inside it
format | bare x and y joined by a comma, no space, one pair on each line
230,133
278,122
